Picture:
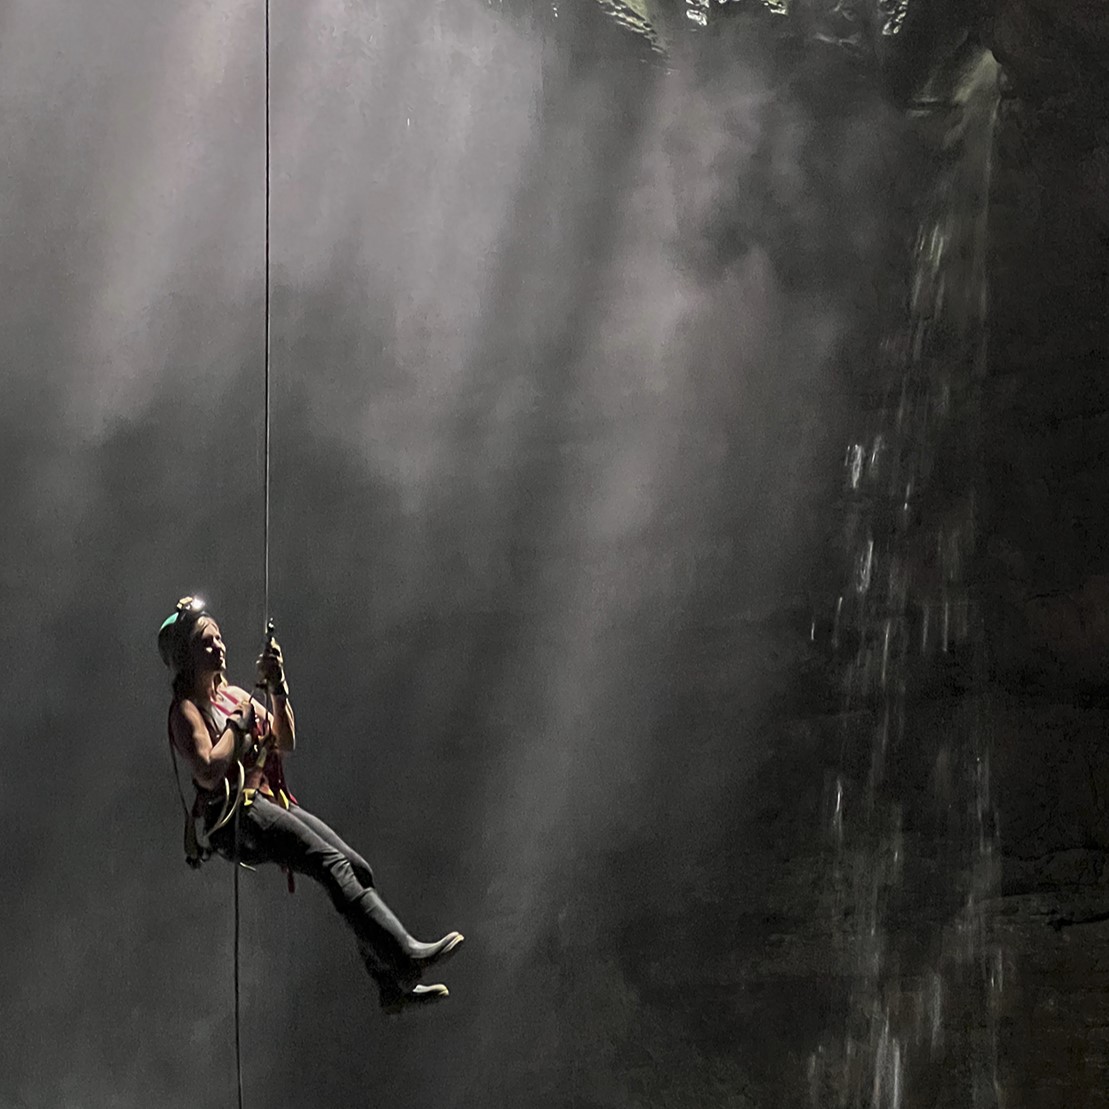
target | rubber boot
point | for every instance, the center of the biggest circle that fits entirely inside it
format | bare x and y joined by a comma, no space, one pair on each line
397,997
382,936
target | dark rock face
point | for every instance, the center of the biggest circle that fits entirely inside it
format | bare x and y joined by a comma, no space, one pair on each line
1050,48
1050,327
1024,470
1046,558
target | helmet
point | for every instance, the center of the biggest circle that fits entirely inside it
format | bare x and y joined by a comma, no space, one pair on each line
173,635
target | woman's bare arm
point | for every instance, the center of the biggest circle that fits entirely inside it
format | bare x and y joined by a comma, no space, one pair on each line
207,761
271,674
283,724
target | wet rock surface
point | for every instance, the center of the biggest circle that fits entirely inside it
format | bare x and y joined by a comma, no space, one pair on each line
1046,559
1032,453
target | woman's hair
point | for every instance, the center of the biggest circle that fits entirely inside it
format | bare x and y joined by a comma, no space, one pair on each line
175,639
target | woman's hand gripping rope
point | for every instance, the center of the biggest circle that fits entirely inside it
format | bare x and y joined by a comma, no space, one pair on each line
271,667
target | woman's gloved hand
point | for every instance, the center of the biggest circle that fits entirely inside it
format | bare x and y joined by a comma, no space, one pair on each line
271,668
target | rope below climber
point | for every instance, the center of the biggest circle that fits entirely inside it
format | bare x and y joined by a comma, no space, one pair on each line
234,748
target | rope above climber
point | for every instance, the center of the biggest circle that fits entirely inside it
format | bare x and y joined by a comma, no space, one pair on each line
234,748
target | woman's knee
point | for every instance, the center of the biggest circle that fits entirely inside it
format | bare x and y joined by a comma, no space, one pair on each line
363,872
343,882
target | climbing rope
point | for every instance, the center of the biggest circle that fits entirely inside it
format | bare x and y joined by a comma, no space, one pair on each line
266,363
265,533
238,1025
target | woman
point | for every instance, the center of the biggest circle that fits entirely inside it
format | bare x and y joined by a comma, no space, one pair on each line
233,748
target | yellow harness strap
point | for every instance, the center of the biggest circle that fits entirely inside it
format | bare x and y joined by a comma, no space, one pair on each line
248,797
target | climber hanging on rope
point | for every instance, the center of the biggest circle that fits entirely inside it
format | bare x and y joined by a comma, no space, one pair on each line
243,810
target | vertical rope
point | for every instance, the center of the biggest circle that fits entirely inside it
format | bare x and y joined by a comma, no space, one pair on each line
266,479
238,1026
265,537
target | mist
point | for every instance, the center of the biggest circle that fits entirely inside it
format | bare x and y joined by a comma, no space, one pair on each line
561,344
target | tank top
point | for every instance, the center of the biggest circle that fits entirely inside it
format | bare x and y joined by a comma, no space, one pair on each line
268,779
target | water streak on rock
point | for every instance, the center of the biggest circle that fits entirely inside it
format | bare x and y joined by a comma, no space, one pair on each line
913,878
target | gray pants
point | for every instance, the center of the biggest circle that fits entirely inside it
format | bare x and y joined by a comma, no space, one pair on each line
294,838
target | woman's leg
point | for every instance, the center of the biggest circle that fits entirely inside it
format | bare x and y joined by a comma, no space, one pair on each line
268,832
372,902
361,868
291,837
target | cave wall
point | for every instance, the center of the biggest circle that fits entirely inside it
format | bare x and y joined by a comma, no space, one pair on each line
1039,485
1045,553
1041,567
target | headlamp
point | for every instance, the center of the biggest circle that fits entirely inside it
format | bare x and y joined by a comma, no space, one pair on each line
188,608
188,611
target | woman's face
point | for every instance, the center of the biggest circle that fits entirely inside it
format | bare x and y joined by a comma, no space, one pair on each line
209,654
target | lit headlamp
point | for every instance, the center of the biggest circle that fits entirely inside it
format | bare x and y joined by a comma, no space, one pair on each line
188,609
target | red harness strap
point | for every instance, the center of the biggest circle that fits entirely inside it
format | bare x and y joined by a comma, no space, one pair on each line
273,775
274,772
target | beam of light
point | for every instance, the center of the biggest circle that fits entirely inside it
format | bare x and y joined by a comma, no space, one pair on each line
166,101
627,408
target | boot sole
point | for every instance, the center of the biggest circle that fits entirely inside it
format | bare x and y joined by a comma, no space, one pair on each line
419,998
